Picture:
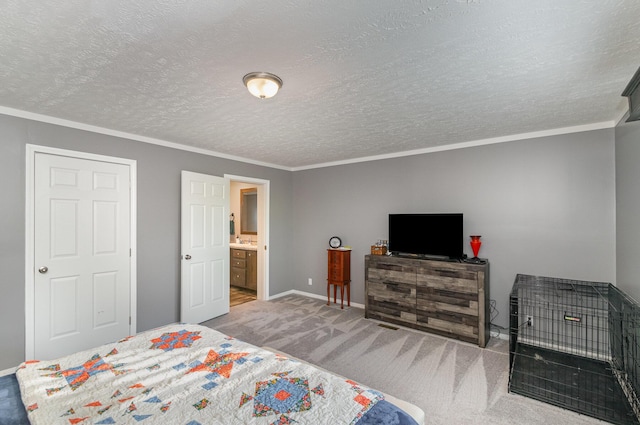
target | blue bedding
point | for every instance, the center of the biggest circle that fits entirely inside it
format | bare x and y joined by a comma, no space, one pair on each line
12,411
385,413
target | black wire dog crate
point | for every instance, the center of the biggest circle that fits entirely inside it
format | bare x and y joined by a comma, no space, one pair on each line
576,345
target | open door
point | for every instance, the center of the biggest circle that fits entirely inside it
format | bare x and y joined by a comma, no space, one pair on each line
204,247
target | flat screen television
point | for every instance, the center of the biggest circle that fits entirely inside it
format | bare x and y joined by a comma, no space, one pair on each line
428,235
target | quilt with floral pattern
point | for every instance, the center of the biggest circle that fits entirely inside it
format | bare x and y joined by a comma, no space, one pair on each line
190,375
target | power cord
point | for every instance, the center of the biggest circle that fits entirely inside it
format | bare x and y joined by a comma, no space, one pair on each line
493,314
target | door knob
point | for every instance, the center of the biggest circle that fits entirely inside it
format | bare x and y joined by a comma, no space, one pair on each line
187,257
43,269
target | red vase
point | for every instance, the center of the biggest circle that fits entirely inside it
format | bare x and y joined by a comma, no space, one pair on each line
475,245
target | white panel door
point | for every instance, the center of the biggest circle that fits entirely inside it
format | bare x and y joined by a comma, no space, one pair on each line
205,247
81,254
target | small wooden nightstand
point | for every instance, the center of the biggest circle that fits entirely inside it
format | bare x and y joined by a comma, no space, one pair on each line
339,274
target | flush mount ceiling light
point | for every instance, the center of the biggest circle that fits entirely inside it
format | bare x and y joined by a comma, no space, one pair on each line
262,84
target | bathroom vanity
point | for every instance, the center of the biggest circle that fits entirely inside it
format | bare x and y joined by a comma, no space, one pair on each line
244,266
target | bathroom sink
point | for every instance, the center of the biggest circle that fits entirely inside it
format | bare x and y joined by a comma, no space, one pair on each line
243,246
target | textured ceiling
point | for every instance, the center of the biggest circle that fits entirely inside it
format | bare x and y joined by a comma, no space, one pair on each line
361,78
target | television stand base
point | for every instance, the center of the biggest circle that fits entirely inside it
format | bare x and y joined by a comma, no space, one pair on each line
443,297
475,260
422,256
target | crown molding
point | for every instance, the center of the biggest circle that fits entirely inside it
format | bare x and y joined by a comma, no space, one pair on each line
124,135
473,143
482,142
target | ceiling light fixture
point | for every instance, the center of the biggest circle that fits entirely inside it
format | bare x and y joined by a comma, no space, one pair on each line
262,84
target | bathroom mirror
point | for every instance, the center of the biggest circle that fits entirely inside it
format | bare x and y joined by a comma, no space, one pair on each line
249,211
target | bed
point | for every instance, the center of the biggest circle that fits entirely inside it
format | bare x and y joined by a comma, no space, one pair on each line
194,375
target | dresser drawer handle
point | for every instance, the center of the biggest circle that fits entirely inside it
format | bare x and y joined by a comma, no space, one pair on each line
451,273
391,283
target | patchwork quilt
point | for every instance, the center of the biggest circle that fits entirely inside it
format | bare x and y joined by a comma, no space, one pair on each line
191,375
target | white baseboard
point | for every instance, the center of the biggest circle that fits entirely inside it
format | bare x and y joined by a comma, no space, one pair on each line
503,335
310,295
9,371
280,295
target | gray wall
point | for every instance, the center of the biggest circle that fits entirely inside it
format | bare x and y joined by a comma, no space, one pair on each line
543,206
628,207
158,220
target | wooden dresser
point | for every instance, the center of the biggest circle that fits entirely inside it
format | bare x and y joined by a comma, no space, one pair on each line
244,268
446,298
339,274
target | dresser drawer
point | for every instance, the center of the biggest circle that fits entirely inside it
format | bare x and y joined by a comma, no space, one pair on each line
336,275
238,276
391,290
391,300
238,253
392,276
335,256
239,263
458,326
445,294
399,294
446,278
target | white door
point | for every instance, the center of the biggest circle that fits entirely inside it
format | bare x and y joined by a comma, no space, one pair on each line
82,254
205,247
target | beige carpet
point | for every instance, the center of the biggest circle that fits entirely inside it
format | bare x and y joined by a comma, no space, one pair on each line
453,382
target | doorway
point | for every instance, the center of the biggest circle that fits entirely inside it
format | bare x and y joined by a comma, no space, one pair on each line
258,242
